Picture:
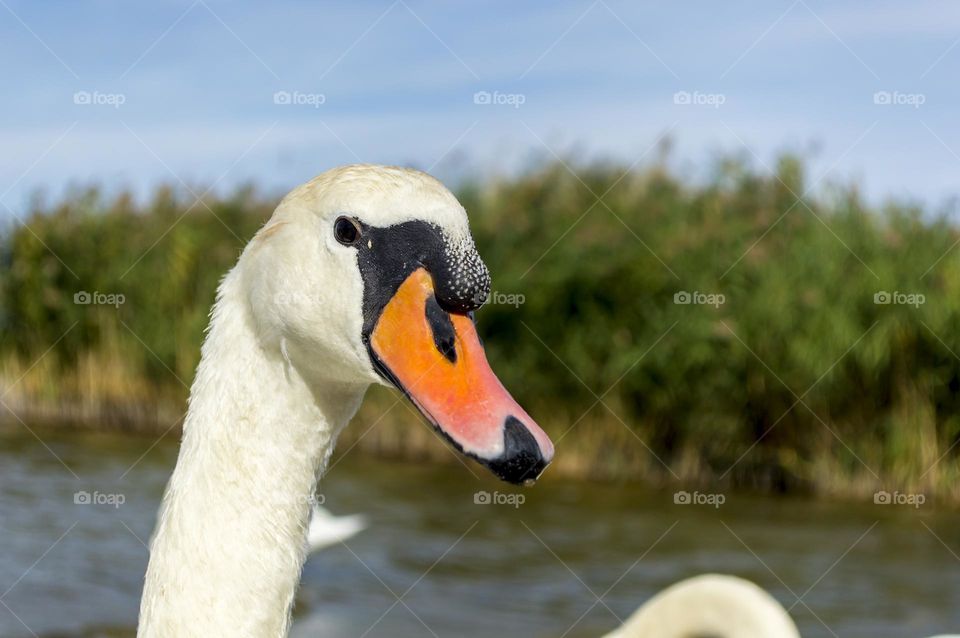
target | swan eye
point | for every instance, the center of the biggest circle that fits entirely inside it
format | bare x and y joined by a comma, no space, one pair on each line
346,230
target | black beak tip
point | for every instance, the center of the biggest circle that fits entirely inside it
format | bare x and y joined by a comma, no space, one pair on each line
522,460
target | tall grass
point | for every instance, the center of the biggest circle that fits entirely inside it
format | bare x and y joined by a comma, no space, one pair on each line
798,380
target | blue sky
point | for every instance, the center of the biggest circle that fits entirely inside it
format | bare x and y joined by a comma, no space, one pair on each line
395,83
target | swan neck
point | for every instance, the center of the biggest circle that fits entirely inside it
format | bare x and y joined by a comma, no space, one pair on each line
230,539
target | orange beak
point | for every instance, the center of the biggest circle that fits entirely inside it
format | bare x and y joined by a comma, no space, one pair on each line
436,359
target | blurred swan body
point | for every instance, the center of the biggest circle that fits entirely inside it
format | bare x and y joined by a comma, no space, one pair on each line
711,605
326,529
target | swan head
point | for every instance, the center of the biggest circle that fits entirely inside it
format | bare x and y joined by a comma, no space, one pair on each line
369,274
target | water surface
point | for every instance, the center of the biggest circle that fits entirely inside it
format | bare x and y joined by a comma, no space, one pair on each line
571,560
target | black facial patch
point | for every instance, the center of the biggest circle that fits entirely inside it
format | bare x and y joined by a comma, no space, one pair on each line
444,336
386,257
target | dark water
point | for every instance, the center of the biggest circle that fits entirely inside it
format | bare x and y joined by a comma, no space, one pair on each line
463,569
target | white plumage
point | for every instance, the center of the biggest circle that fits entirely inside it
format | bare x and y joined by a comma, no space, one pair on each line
710,605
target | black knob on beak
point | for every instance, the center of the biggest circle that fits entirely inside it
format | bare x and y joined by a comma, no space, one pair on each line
522,460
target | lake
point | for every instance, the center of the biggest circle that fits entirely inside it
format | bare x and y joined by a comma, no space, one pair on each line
561,558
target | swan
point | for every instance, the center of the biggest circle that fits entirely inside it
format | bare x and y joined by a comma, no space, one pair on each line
714,605
365,274
326,529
